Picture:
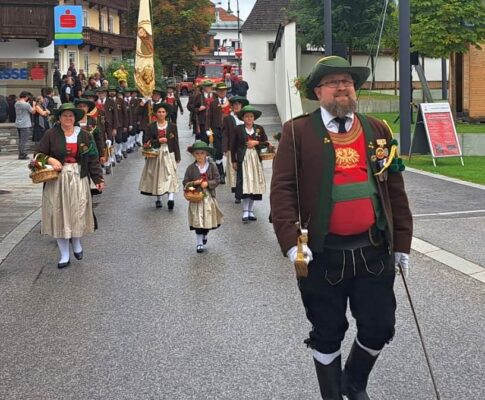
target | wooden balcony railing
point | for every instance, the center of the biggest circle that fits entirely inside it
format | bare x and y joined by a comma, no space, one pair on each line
106,40
121,5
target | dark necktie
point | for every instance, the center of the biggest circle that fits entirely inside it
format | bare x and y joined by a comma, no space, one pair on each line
341,124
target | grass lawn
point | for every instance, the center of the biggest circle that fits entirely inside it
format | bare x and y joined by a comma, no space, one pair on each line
371,95
473,171
461,127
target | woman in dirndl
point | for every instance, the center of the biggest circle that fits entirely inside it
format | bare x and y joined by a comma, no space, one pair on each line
159,176
203,175
229,124
248,141
67,212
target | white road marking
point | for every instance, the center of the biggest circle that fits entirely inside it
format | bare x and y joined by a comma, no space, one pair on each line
449,213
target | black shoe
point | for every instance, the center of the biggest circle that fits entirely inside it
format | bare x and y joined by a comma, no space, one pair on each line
130,150
125,154
252,217
200,248
158,204
23,157
170,204
356,373
329,379
245,219
222,180
107,169
118,158
79,256
204,240
64,264
237,201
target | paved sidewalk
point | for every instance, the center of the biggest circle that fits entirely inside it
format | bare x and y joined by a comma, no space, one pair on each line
20,201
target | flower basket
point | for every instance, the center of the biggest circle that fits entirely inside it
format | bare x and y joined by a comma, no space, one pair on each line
267,156
192,194
150,153
44,175
267,153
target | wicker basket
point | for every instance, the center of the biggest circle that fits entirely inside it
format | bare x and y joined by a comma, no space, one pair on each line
44,175
267,156
150,153
193,196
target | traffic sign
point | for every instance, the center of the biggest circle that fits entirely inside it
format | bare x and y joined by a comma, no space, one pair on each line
238,53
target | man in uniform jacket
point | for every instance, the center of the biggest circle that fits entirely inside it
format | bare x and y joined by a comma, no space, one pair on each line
201,107
122,130
174,100
218,109
113,118
353,202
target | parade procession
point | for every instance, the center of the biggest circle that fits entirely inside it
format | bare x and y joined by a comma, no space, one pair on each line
193,206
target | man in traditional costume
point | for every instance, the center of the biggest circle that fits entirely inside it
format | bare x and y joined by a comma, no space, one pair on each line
358,219
218,109
174,100
201,107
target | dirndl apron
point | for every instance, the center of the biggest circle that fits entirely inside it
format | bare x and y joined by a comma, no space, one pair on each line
252,173
230,173
159,174
67,209
205,214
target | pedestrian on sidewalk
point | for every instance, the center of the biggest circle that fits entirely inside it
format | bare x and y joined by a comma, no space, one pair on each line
41,121
248,141
203,175
159,176
359,224
24,109
228,131
67,211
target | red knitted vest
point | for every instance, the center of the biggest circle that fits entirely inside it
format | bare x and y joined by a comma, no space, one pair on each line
351,217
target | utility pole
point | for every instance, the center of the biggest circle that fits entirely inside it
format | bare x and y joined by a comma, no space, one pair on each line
404,76
327,23
238,35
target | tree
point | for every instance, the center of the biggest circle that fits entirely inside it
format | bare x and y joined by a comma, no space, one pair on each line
442,27
179,27
355,33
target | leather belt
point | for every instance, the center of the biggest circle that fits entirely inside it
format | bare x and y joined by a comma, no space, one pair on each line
372,237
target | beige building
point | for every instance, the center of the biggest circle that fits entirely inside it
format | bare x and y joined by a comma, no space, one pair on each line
105,39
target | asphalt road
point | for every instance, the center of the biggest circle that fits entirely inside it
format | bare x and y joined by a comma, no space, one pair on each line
143,316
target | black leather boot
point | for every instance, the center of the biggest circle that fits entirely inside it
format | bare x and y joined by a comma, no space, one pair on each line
356,373
329,379
222,175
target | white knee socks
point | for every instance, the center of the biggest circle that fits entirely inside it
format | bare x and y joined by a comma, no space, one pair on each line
200,239
325,359
245,206
63,245
170,196
76,245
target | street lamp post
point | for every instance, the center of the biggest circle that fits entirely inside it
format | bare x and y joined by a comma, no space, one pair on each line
238,35
327,22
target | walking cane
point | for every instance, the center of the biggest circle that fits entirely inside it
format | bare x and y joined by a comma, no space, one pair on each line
435,387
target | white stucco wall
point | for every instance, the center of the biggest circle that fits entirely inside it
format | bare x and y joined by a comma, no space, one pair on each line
261,79
384,67
25,49
286,69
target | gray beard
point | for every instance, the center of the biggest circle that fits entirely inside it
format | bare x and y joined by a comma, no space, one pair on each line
340,110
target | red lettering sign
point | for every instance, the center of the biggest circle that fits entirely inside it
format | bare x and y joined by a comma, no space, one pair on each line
441,131
37,73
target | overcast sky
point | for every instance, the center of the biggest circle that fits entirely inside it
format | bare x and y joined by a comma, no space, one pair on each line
245,6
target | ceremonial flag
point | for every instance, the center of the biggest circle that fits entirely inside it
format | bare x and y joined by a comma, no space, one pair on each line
144,68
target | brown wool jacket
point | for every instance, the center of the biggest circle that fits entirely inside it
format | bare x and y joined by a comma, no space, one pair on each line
53,144
172,135
192,174
316,164
228,132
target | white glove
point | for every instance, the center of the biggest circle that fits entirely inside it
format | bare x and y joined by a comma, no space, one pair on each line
403,259
130,127
108,143
291,254
209,133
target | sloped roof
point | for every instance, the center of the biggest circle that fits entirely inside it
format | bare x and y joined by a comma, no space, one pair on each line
225,16
266,15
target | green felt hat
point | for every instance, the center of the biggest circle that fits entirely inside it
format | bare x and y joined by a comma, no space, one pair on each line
101,89
249,109
90,93
221,86
334,65
78,114
207,83
201,145
113,89
88,102
168,107
239,99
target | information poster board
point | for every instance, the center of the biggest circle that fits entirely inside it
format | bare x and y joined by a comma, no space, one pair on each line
435,132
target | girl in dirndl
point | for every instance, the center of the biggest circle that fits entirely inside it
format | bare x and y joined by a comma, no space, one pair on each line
67,212
229,124
248,140
159,176
203,175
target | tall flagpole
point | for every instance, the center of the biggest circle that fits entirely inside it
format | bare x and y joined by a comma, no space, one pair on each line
144,65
